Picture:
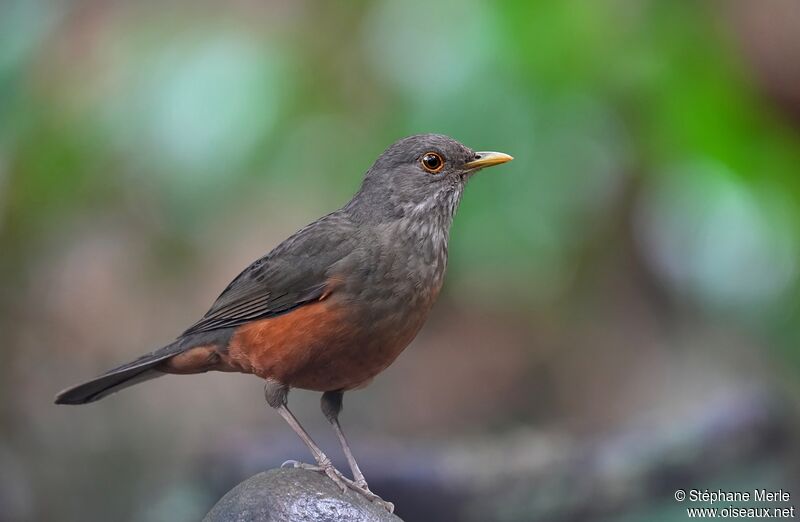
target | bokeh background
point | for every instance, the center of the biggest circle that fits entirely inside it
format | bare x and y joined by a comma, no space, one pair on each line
620,317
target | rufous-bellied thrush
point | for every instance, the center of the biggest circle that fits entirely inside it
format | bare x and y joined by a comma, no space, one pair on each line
334,304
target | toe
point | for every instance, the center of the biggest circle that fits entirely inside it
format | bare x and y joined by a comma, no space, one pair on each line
333,475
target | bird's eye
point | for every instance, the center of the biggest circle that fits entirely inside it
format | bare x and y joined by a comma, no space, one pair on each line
432,162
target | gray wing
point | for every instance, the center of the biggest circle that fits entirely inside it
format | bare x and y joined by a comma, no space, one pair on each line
296,272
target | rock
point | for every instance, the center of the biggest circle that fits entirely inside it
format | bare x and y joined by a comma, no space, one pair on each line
295,495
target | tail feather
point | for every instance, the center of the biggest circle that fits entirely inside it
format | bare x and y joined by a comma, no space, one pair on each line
119,378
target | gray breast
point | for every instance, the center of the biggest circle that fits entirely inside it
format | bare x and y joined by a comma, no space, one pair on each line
403,268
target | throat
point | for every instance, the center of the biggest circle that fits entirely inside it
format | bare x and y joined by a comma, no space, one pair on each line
438,209
425,230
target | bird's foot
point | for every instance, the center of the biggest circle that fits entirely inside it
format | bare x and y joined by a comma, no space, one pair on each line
343,482
360,486
325,467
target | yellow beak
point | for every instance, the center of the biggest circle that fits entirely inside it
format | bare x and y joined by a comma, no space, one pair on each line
487,159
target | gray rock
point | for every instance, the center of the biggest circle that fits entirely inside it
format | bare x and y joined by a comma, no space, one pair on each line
295,495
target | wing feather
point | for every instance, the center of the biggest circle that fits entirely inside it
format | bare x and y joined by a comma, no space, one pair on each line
295,273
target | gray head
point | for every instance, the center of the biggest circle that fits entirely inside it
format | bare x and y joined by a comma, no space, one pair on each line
421,174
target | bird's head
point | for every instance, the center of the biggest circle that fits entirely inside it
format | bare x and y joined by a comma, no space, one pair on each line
422,173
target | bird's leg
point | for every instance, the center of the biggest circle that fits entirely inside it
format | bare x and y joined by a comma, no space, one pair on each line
331,406
276,397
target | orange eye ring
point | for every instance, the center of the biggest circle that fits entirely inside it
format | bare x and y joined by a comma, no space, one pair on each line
433,162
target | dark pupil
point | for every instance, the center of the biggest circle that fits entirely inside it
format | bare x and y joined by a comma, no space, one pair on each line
432,161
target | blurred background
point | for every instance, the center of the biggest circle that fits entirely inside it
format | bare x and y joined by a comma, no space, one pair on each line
620,317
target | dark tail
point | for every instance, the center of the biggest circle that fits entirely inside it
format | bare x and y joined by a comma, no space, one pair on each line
119,378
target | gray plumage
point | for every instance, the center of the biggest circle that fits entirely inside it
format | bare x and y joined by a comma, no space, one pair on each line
390,240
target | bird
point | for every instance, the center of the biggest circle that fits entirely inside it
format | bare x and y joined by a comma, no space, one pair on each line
334,304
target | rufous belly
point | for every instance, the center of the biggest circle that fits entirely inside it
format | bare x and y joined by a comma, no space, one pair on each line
320,346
